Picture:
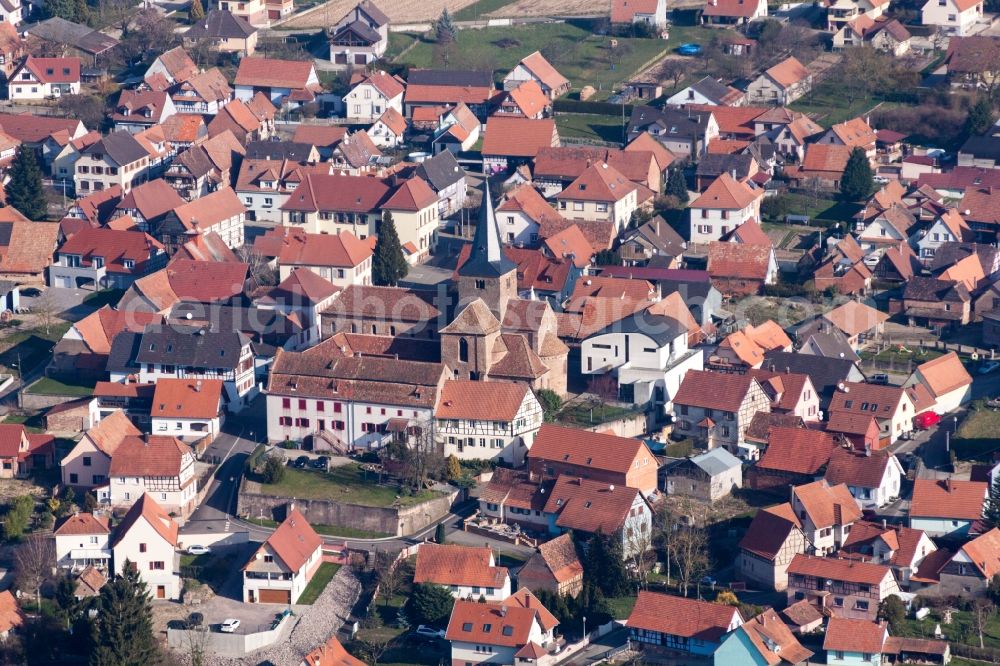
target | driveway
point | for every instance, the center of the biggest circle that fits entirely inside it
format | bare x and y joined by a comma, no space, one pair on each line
68,303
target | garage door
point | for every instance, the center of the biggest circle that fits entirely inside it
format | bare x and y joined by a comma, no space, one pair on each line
275,596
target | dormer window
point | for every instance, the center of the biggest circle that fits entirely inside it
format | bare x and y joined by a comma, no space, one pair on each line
128,263
49,71
98,262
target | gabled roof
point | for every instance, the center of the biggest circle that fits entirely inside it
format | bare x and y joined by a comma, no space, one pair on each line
528,98
178,64
584,448
111,431
797,450
83,523
854,133
220,24
984,553
331,653
187,398
858,468
147,509
948,498
788,72
680,616
490,624
480,401
151,199
769,530
738,260
53,70
99,328
773,639
845,635
624,11
295,247
714,390
294,542
827,505
944,374
590,506
513,136
854,317
448,564
850,571
274,73
149,456
544,71
559,557
827,157
599,182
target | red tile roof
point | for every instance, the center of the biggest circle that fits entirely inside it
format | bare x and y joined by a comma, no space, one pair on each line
587,449
827,505
797,450
413,195
518,137
583,505
850,571
788,72
730,8
114,247
984,553
854,636
272,73
490,624
544,71
948,498
448,564
857,468
599,182
147,509
295,247
736,260
714,390
295,541
769,530
111,431
944,374
54,70
187,398
680,616
83,523
149,456
11,615
331,653
480,401
773,639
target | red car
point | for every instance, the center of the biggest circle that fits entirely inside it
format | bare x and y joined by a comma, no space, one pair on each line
926,420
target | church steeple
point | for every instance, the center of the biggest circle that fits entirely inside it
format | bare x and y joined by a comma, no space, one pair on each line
487,258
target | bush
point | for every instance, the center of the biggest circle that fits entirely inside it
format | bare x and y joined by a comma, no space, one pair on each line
775,208
564,105
429,604
274,470
551,402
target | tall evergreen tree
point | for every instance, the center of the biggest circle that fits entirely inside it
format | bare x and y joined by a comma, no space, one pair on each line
676,185
124,622
388,265
858,181
196,12
980,117
444,28
24,191
991,513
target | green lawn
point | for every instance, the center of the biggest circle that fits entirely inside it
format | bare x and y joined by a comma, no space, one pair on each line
347,483
585,414
897,355
961,630
328,530
976,437
399,42
828,106
479,9
583,57
621,607
50,386
318,583
26,349
32,422
591,126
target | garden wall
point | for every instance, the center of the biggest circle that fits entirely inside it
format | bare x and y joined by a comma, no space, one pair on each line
396,521
634,425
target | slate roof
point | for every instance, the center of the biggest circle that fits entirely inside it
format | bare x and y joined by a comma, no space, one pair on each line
441,171
191,346
220,24
61,31
121,146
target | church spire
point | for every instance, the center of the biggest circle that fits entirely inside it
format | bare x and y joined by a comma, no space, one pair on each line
487,258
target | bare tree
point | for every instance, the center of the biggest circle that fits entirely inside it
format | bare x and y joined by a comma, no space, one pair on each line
258,267
34,559
982,612
45,309
639,544
674,70
692,555
390,576
197,643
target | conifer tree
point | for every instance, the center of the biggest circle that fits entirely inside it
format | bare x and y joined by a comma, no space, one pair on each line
388,265
980,117
858,182
124,622
991,513
444,28
24,191
676,186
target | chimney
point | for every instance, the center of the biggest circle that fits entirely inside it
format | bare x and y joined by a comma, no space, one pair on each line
885,523
868,450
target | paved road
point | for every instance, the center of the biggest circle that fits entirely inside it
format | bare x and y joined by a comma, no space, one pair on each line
597,649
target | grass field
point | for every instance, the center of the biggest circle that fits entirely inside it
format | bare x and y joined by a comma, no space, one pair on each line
319,581
26,349
586,414
590,126
583,57
328,530
347,483
977,436
50,386
827,105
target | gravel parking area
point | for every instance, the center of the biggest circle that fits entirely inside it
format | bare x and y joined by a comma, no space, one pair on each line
312,626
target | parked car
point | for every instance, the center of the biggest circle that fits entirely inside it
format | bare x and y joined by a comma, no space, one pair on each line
31,292
926,420
199,550
300,462
989,367
424,631
689,49
321,463
229,626
880,378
